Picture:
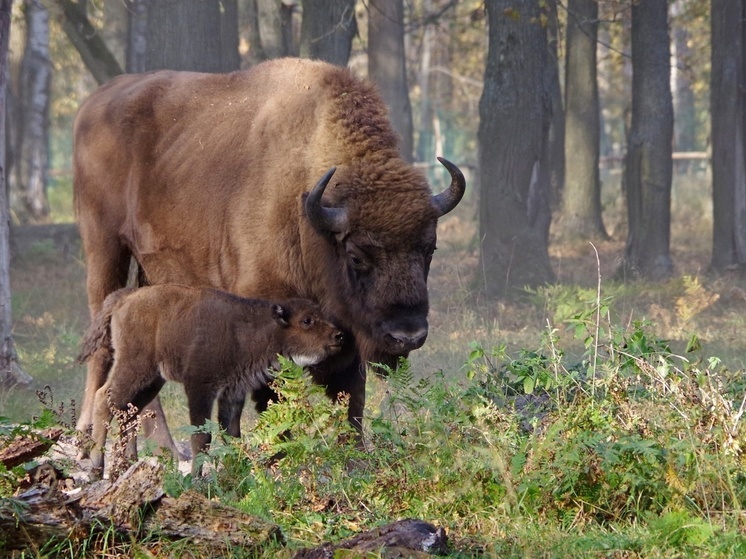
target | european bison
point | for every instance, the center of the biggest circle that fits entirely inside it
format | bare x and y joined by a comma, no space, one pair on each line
207,180
216,344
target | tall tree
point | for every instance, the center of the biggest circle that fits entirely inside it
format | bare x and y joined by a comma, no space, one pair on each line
649,163
728,80
31,152
581,201
88,41
192,35
9,369
557,124
514,212
387,65
270,29
684,101
327,30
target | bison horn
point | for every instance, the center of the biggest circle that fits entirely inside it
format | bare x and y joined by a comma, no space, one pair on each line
449,199
333,220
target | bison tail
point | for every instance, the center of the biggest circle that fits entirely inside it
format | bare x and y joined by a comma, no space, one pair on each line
98,336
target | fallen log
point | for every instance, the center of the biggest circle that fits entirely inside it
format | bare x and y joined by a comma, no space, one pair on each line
132,507
27,446
408,538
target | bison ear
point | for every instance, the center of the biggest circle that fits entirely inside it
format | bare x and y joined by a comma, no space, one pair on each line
280,314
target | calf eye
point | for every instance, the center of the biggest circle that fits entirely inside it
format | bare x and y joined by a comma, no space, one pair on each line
307,321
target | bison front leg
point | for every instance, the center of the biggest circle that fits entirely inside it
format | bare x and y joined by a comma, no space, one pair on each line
156,429
230,407
350,381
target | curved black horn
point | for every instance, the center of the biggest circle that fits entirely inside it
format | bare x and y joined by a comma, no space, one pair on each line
449,198
322,218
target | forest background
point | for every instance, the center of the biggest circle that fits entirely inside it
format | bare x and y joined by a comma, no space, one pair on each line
601,233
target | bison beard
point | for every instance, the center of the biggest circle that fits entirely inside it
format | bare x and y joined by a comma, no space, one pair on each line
207,179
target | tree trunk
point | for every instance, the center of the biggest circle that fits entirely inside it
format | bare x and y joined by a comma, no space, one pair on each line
581,202
88,42
648,164
114,29
425,128
9,369
387,66
685,111
270,29
557,127
137,32
195,35
728,123
31,153
327,30
514,212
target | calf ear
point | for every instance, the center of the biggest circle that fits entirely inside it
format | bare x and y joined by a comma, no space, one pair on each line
280,314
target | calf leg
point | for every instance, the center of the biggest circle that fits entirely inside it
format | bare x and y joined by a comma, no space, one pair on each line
121,389
200,410
97,372
107,262
102,415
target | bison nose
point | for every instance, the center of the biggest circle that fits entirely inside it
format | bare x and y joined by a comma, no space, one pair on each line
401,341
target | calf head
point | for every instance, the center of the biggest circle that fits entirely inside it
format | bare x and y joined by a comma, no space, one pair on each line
307,336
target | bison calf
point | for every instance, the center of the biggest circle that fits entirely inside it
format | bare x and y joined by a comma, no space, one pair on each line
216,344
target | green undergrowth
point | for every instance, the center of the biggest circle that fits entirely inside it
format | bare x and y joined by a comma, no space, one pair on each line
622,448
632,451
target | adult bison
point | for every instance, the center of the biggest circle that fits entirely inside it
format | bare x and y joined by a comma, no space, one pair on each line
204,179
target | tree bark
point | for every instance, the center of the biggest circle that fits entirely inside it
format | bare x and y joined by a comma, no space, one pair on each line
137,36
9,368
88,42
727,83
270,29
685,111
387,66
581,202
425,130
31,153
194,35
114,28
327,30
649,164
514,211
557,126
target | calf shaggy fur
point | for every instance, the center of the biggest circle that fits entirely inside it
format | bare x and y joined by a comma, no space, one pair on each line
216,344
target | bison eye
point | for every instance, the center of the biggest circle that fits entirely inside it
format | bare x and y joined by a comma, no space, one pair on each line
307,321
358,262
